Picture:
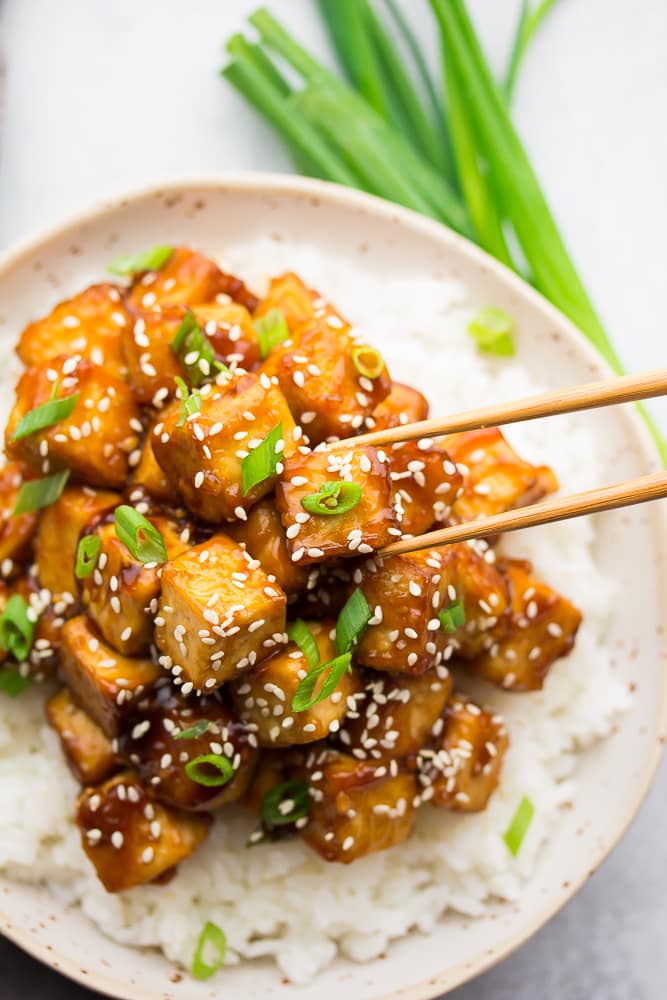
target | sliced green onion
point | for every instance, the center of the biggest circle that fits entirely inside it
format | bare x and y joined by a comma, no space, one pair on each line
12,681
39,493
262,462
193,732
45,416
190,401
299,633
493,330
140,536
368,361
17,631
518,828
199,770
86,555
333,498
352,621
195,351
452,617
149,260
304,696
271,329
210,939
285,803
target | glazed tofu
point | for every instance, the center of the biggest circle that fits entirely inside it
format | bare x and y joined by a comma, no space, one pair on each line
231,331
263,536
16,530
476,582
263,697
293,298
219,615
395,715
151,364
186,278
49,616
85,747
461,769
357,806
403,405
89,324
121,594
149,477
425,482
495,478
60,527
543,627
106,684
131,839
94,442
159,752
372,523
203,457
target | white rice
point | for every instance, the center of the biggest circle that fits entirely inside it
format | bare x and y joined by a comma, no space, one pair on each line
271,899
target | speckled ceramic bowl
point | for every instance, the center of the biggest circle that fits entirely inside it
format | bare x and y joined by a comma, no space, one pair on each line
612,779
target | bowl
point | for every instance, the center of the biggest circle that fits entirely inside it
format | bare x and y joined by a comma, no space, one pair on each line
613,777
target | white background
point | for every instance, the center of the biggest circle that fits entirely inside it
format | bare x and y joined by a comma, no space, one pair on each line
102,95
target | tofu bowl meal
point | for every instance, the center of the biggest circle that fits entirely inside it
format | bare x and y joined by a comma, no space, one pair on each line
243,750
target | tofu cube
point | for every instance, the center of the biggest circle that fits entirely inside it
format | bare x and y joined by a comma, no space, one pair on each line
478,583
107,685
186,278
461,769
121,594
149,477
263,696
231,331
16,530
131,839
94,442
85,747
263,536
369,525
152,366
49,616
89,324
426,483
60,527
293,298
203,457
219,615
403,405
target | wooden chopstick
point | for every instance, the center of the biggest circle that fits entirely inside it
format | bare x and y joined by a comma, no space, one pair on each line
624,389
625,494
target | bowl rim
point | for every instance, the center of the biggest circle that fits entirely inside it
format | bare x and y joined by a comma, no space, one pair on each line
267,183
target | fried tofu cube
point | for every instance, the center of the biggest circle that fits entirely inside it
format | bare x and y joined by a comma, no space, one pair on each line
263,696
367,526
121,594
94,442
403,405
293,298
426,483
476,582
186,278
203,457
50,616
357,806
263,536
149,476
219,615
16,530
495,478
395,715
105,683
131,839
231,331
85,747
60,527
152,366
461,770
275,768
166,741
89,324
542,629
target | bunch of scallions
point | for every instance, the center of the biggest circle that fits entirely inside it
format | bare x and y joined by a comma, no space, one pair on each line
446,148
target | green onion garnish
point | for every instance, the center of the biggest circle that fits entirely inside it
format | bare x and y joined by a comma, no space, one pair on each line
12,681
304,697
86,555
210,939
452,617
190,401
271,330
149,260
195,351
352,621
193,732
299,633
39,493
199,769
16,629
263,460
285,803
333,498
518,828
140,536
493,330
368,361
45,415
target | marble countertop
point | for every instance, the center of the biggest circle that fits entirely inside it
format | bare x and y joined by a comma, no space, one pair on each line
100,97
